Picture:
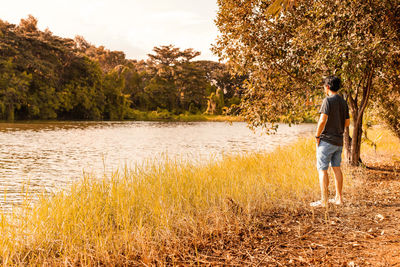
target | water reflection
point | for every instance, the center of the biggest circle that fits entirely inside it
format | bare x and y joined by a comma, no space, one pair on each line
48,156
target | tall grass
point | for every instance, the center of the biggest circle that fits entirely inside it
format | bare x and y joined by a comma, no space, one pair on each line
381,141
138,215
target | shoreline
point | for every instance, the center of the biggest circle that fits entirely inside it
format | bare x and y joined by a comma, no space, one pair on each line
144,118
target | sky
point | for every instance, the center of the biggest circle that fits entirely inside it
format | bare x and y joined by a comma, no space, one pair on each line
132,26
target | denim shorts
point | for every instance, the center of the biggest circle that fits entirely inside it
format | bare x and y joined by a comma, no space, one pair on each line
328,153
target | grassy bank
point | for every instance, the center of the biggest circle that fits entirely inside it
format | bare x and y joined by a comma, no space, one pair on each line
159,214
164,115
149,215
381,142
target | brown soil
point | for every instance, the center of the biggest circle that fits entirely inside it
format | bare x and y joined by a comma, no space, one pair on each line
365,231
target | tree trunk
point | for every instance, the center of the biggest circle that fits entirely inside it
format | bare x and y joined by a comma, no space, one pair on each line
347,145
10,112
357,110
355,159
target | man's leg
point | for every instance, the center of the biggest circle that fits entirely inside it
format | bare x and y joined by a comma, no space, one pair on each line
336,161
324,183
338,184
324,155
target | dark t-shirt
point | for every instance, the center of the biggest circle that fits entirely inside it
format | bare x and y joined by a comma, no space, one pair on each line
337,110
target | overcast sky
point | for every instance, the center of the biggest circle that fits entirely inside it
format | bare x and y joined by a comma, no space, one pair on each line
132,26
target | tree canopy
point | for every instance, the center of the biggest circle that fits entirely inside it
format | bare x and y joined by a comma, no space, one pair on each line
286,56
44,76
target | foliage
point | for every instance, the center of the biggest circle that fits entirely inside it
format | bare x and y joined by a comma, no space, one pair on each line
14,87
44,76
164,115
107,59
63,84
216,103
176,79
117,102
278,6
388,93
389,110
287,56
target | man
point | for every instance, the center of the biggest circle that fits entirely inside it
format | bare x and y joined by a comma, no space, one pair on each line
329,138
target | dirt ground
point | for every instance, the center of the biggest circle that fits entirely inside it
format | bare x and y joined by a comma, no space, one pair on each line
365,231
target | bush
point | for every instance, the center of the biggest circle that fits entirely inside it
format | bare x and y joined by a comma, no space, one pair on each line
137,115
193,109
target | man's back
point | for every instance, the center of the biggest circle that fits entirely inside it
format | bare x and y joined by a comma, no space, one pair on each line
337,110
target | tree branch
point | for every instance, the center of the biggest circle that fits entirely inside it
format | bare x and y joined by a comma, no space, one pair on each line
358,87
353,106
366,92
291,75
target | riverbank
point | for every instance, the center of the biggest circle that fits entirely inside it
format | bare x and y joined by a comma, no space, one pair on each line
161,115
243,210
164,115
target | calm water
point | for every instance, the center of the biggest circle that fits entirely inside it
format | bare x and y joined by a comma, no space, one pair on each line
48,156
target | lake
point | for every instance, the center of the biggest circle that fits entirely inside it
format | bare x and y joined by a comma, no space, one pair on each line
49,156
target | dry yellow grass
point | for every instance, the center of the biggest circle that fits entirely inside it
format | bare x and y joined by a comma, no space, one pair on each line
145,214
382,142
135,215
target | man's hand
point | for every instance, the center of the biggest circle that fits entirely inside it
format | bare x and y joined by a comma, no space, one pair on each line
317,140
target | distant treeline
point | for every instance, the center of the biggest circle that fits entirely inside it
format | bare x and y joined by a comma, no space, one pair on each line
43,76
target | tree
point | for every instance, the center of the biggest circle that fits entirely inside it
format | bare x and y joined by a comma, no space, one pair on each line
51,77
215,103
219,76
83,92
46,58
191,83
389,110
117,103
162,67
107,59
44,76
28,25
134,86
13,88
388,94
286,56
175,81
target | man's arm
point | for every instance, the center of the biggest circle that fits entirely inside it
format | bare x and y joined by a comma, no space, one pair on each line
321,125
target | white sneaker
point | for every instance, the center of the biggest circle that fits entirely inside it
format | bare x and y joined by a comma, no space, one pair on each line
317,204
334,201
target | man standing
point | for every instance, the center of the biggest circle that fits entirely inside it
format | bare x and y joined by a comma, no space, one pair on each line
329,138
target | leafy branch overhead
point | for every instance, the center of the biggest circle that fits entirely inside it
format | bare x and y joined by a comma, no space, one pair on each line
278,6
